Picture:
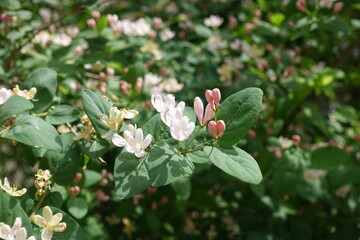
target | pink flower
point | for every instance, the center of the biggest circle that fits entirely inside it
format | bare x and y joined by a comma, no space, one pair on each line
338,7
95,15
91,23
216,129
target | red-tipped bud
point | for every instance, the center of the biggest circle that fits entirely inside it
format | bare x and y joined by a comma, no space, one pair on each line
78,177
338,7
220,125
110,72
212,129
301,5
199,108
216,96
209,114
91,23
139,84
209,97
95,15
74,191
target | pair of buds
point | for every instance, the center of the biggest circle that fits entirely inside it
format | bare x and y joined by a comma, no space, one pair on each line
216,128
213,98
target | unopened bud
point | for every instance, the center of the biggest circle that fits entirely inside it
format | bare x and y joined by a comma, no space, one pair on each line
220,125
139,84
158,23
251,133
199,108
110,72
112,18
95,15
78,177
74,191
209,114
212,129
296,139
91,23
301,5
338,7
102,76
209,97
216,96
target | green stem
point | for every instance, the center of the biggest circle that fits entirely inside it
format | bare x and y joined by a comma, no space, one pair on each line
197,132
38,205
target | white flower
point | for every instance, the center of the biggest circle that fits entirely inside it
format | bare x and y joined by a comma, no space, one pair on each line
166,35
172,85
28,94
15,233
4,95
163,104
49,222
12,190
181,127
213,21
151,79
134,141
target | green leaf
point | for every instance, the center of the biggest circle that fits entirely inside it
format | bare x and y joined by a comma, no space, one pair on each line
235,162
10,209
183,188
239,111
34,131
78,207
277,18
15,104
73,230
198,157
166,165
64,164
131,175
91,178
266,29
63,114
117,45
95,105
328,157
202,31
135,71
95,149
44,80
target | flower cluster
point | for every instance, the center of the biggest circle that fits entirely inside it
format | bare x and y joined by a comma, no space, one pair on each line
15,232
173,116
137,28
42,182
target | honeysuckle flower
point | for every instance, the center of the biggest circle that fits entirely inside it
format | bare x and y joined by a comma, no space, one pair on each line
133,140
16,232
163,104
86,133
49,222
151,79
173,112
213,97
24,93
181,127
199,109
213,21
11,190
116,118
5,94
153,48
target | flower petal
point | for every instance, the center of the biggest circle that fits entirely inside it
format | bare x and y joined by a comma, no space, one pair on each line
56,218
47,214
39,220
118,140
59,227
46,235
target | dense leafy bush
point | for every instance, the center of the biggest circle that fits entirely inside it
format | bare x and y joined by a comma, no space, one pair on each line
92,134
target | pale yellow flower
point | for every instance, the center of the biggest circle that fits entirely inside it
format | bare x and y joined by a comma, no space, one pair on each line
42,182
129,227
49,222
28,94
12,190
116,118
85,133
153,48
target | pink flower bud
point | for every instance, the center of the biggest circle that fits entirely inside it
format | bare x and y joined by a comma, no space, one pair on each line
74,191
125,87
209,114
296,139
6,18
95,15
125,70
152,35
220,126
209,97
338,7
103,173
116,30
102,76
104,182
151,190
101,195
91,23
153,206
358,156
278,153
78,177
139,84
164,200
251,133
112,18
233,21
199,108
103,86
277,58
212,129
158,23
216,96
291,24
301,5
110,72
